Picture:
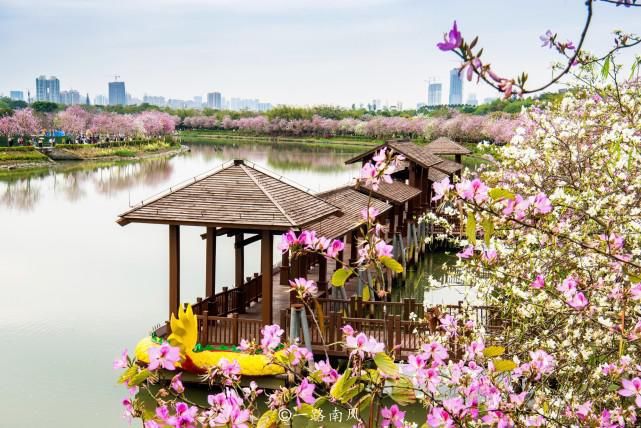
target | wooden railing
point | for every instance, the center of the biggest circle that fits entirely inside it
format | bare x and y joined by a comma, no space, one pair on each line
215,330
231,300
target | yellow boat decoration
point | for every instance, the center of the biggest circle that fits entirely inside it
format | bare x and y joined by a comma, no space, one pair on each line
184,335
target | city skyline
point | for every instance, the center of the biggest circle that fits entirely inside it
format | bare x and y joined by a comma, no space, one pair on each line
283,51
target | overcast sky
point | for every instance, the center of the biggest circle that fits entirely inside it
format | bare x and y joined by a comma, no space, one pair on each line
282,51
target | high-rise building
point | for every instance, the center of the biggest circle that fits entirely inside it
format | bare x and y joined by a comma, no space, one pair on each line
71,97
456,87
154,101
117,94
198,102
48,89
215,100
434,94
16,95
100,100
87,102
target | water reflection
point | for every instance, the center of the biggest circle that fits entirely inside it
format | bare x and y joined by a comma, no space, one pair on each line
22,190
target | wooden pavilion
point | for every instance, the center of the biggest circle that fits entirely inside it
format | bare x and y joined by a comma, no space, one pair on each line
236,199
445,146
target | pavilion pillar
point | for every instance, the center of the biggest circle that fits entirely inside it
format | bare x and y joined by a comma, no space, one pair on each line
458,159
284,269
322,275
239,251
392,222
174,269
413,182
210,262
266,269
351,236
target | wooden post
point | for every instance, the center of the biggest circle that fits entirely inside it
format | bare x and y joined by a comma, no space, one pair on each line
204,338
174,269
353,255
239,250
234,329
210,263
413,183
225,310
284,269
266,268
322,275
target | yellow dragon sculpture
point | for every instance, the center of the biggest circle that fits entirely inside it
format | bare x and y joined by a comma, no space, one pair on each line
184,335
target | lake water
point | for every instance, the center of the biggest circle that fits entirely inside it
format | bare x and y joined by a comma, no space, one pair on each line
76,287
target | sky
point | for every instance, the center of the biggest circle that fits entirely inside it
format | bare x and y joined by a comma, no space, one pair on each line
301,52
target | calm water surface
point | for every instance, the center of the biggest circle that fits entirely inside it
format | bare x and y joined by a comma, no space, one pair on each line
77,288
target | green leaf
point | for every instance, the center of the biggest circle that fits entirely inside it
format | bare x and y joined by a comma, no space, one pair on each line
493,351
392,264
470,228
340,277
139,378
345,389
366,294
131,371
504,365
385,364
403,392
605,70
488,230
269,419
498,194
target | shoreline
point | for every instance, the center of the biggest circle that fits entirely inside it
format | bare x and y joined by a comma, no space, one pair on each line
12,166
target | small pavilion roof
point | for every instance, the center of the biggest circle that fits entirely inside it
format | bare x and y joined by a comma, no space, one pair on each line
351,202
396,192
435,175
448,166
413,152
235,195
445,146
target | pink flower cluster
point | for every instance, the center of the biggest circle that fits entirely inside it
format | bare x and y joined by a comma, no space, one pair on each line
573,296
304,288
307,240
360,344
380,168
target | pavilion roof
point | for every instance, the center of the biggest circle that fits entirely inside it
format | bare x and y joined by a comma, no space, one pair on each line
351,202
448,166
416,153
445,146
435,175
396,192
236,195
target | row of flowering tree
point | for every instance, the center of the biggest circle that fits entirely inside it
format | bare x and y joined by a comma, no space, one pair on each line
497,128
76,121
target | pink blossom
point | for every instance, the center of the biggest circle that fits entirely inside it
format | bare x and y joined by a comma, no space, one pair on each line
307,238
122,362
304,287
539,282
334,248
452,40
128,412
635,291
392,416
151,424
383,249
362,345
448,323
489,255
330,375
185,416
305,393
542,204
578,301
348,330
466,253
474,190
440,418
542,363
288,239
164,356
271,337
631,388
435,351
568,286
176,384
441,188
369,214
547,39
300,354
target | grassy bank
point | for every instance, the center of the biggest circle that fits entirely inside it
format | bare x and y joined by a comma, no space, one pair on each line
350,143
21,154
91,151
